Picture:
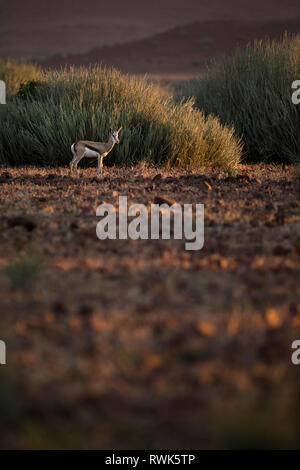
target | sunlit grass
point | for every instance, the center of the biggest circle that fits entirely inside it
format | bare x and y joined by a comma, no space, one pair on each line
252,92
47,111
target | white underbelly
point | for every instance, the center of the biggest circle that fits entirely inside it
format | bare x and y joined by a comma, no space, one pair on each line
90,153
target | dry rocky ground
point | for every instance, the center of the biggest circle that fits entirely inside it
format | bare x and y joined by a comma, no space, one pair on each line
142,344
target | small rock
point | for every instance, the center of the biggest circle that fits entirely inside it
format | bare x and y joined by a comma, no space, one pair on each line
293,309
169,179
269,207
280,250
163,200
85,310
27,222
281,217
157,177
74,225
208,185
4,176
59,307
273,319
205,328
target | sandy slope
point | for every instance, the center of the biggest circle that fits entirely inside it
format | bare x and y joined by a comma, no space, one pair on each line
39,28
183,51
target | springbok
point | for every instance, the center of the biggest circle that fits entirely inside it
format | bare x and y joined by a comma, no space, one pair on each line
87,148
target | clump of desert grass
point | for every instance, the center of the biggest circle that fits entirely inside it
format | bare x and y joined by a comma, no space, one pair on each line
252,92
22,271
14,72
47,111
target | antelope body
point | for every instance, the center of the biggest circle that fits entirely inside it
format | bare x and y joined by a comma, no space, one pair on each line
90,149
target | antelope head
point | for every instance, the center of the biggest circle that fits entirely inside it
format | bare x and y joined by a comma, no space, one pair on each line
115,134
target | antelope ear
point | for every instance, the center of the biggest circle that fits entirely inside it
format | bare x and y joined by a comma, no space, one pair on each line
120,129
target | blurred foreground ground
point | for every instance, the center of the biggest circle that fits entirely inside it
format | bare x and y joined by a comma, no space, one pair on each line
141,344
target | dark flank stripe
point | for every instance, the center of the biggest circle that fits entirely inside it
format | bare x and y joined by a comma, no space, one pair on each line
92,148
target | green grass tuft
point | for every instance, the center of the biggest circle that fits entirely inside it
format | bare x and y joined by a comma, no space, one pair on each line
252,92
48,111
22,271
15,72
